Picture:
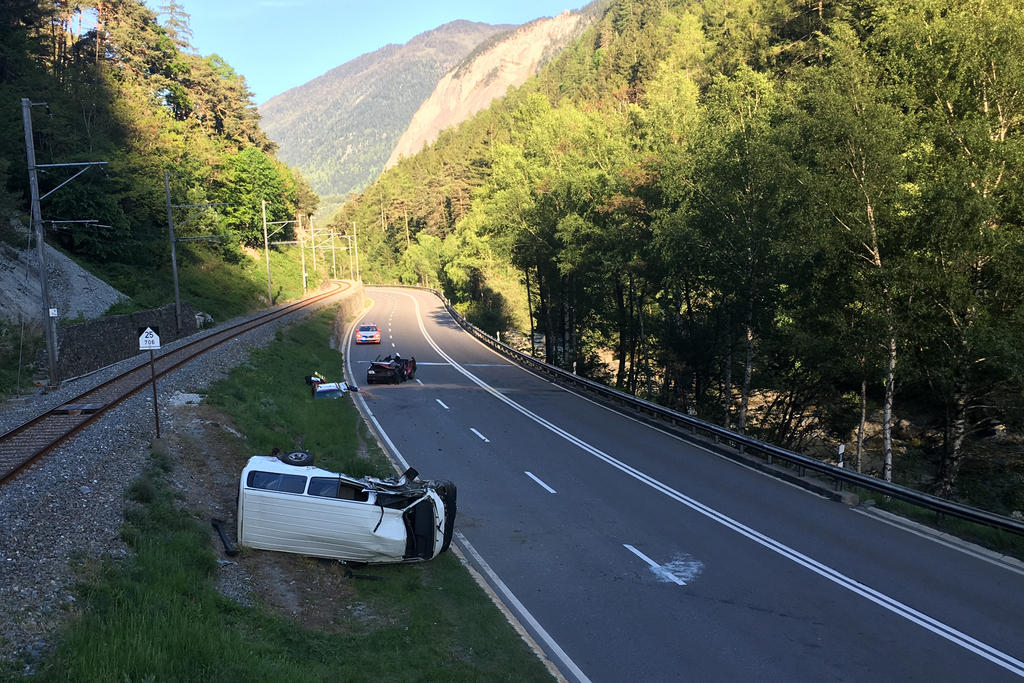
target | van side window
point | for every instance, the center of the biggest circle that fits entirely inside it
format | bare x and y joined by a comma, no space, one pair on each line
330,487
272,481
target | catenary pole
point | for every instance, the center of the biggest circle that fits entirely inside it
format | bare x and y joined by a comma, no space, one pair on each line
351,268
312,240
355,240
49,314
302,255
174,253
36,227
334,262
266,252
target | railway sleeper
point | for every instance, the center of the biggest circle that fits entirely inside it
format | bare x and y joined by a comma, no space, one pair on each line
79,408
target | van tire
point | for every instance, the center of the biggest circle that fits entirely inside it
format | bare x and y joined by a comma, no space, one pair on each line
297,458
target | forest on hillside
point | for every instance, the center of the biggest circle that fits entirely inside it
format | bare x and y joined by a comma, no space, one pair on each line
798,218
113,81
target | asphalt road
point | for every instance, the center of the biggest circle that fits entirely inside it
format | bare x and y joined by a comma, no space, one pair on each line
631,555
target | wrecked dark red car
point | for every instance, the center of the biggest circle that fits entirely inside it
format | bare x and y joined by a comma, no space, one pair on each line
391,369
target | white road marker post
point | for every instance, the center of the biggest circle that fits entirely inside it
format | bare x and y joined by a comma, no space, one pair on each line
149,340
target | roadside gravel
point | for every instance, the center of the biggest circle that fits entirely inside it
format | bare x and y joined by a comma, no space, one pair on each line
70,505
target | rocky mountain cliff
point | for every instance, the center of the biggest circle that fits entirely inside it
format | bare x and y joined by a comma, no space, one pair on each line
487,74
339,128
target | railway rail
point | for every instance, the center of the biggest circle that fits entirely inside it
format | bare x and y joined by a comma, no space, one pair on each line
23,445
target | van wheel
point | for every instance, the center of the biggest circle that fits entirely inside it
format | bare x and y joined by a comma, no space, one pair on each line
297,458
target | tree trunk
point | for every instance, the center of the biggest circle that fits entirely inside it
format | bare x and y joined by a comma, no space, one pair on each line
748,365
859,455
563,321
821,27
620,303
631,381
727,389
99,31
570,348
529,306
644,361
952,458
544,315
890,392
701,374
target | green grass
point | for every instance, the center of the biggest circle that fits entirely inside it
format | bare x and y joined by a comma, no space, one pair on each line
270,403
19,345
224,285
157,616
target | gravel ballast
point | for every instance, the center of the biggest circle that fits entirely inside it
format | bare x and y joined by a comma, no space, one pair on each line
70,504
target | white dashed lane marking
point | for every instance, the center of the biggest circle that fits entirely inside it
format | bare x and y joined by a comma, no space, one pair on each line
545,486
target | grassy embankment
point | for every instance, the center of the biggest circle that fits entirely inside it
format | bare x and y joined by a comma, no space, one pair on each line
158,617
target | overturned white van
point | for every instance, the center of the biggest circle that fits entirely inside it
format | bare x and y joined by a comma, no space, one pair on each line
287,504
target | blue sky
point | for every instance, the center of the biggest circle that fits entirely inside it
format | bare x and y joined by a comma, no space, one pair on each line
280,44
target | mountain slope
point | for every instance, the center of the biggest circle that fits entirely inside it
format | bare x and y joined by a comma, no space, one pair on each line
488,74
339,128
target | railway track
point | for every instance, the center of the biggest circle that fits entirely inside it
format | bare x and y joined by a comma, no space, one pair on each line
25,444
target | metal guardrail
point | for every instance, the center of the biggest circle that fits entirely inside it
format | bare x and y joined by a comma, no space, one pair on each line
743,444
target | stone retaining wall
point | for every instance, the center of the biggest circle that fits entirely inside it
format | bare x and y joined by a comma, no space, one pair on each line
94,344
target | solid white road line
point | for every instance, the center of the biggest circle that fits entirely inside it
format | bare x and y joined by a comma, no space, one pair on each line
509,596
545,486
521,608
937,627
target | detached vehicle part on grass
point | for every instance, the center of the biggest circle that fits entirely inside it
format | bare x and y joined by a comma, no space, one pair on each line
321,388
287,504
390,369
